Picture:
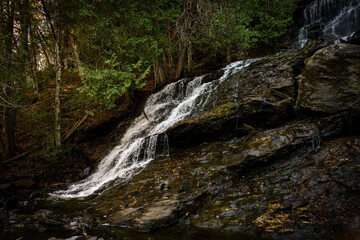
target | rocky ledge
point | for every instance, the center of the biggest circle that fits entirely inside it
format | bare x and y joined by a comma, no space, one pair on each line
277,157
289,168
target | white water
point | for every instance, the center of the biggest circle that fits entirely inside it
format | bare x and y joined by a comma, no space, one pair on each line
140,144
335,19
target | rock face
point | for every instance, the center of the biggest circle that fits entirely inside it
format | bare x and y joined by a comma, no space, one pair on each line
160,214
330,81
280,174
283,182
261,96
254,163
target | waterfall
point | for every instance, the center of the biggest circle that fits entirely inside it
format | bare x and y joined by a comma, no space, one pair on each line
333,20
145,139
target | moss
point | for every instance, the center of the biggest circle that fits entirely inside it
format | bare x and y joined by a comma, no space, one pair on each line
222,111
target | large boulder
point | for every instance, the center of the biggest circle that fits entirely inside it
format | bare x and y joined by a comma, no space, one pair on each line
330,81
231,119
260,96
287,182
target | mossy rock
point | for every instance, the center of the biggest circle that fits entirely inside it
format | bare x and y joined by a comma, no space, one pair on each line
330,81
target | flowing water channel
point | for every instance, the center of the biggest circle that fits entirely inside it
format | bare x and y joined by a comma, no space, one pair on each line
333,20
146,137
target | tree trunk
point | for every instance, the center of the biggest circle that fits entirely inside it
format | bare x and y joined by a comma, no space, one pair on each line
43,47
189,56
33,62
58,69
58,97
171,65
156,73
3,152
181,61
76,53
127,98
10,84
228,55
164,65
161,75
9,123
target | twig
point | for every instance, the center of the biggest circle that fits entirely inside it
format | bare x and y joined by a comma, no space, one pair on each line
21,155
76,126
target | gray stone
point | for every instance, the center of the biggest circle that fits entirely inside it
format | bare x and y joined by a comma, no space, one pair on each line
124,216
330,81
161,214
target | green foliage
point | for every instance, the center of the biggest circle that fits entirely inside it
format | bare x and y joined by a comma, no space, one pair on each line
269,19
46,75
226,27
106,85
121,40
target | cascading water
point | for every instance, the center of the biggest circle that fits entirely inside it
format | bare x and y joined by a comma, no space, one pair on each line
333,20
146,138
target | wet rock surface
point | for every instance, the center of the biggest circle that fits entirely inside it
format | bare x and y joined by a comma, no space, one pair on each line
330,81
289,187
268,160
261,96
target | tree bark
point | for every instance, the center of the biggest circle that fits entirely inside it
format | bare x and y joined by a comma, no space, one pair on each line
161,75
33,62
76,53
9,123
43,47
171,65
58,97
189,56
58,69
228,55
10,84
164,65
180,65
156,73
75,127
3,152
127,96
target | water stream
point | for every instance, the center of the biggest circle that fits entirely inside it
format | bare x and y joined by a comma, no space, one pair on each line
146,137
333,20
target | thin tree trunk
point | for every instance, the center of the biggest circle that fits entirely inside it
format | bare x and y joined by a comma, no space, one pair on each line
156,73
180,62
9,130
228,55
76,53
170,65
161,75
58,69
127,98
58,97
9,116
3,152
75,127
189,56
169,62
164,65
33,63
43,48
46,57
